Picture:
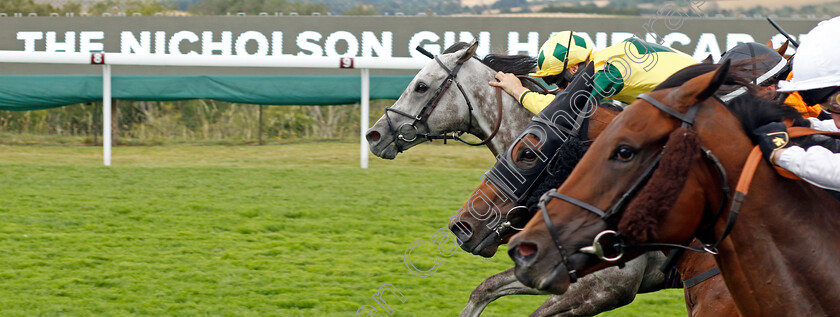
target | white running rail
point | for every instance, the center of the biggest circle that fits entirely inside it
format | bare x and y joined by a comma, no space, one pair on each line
106,60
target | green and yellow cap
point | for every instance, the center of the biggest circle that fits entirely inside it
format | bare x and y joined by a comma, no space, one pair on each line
555,50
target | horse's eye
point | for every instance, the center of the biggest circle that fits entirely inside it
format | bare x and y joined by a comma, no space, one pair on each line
421,88
624,153
528,155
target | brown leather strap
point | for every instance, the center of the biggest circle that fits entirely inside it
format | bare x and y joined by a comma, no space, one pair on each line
498,116
795,132
755,156
750,166
748,171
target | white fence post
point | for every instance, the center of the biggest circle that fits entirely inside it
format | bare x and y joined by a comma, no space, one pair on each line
365,116
106,114
363,63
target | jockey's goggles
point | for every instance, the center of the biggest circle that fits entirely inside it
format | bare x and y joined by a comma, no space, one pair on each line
819,96
832,105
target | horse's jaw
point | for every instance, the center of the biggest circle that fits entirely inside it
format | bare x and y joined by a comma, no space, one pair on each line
388,152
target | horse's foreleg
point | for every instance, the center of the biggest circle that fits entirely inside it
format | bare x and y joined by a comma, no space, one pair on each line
598,292
498,285
654,279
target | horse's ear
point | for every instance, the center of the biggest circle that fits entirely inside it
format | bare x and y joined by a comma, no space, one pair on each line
769,44
717,80
469,52
709,60
702,87
782,49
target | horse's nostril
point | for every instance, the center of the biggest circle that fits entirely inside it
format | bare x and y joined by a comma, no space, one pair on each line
462,230
526,249
373,136
523,253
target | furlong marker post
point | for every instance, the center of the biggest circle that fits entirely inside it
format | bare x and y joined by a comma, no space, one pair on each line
106,114
365,64
365,124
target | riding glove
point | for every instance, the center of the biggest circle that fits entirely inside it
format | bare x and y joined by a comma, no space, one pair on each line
771,138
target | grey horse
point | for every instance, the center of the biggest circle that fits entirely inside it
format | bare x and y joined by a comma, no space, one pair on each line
400,130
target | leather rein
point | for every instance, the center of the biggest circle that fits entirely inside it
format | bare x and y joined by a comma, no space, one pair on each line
735,201
598,249
422,116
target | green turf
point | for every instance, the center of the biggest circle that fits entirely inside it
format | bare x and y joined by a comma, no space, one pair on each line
283,230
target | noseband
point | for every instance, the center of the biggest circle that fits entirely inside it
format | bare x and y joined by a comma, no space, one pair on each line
555,128
608,216
422,116
518,184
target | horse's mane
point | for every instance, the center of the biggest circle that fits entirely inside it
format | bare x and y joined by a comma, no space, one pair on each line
514,64
754,112
569,154
734,77
750,110
642,217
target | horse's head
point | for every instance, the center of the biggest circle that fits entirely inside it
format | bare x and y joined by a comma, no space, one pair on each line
433,103
491,216
645,163
540,159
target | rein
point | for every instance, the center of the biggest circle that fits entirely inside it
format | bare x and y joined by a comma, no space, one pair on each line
543,89
618,246
517,184
423,115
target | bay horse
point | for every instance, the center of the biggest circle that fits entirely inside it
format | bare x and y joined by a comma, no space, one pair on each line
779,259
540,161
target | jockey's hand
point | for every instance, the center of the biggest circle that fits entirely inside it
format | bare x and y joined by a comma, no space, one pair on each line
828,142
771,138
509,83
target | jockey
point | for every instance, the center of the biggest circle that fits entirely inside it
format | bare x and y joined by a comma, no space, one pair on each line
622,71
766,68
766,72
816,76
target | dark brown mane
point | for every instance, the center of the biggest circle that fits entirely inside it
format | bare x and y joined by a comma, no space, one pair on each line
736,75
640,221
752,111
514,64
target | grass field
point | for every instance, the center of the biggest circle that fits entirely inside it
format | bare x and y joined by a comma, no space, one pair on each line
281,230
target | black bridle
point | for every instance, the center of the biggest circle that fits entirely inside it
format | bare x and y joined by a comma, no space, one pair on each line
608,216
518,184
422,116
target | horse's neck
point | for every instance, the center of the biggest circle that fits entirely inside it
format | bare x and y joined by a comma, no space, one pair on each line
599,121
514,118
691,264
781,257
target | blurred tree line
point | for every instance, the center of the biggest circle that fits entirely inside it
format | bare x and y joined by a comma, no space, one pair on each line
250,7
384,7
153,122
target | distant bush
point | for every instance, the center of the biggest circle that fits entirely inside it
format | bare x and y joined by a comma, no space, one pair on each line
592,10
252,7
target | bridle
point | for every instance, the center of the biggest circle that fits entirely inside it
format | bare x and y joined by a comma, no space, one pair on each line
518,184
503,172
618,245
422,116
